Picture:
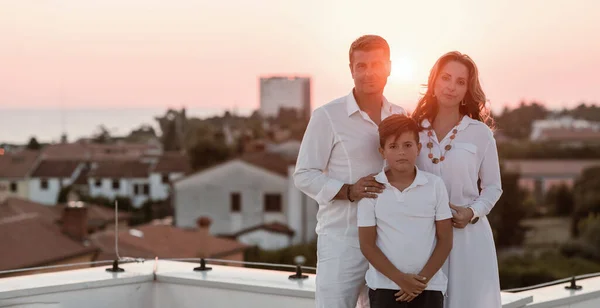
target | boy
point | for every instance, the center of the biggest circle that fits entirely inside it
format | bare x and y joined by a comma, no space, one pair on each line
406,232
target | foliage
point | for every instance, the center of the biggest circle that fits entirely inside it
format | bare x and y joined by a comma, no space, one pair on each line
587,196
528,270
33,144
506,216
516,123
559,199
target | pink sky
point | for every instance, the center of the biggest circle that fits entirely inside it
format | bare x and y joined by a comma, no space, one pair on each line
156,53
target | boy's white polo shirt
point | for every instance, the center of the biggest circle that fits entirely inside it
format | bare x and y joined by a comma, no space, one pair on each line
405,221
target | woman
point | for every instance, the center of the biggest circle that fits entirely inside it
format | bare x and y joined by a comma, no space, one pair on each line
459,146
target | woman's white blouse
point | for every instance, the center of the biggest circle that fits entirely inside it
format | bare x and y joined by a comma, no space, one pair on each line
473,156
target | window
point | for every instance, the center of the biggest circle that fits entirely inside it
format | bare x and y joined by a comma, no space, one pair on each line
272,202
13,186
165,179
98,183
116,184
146,189
236,202
44,184
136,191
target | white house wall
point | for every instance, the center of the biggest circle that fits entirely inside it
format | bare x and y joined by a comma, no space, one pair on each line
47,196
125,189
208,194
266,240
158,189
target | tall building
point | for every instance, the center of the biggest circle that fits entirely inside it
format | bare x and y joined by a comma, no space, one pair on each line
285,92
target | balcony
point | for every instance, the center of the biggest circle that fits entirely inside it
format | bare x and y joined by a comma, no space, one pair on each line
165,283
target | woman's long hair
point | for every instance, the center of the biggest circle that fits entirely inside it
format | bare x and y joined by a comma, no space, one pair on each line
474,101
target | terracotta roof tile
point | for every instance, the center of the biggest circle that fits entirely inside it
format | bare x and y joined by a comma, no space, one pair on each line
166,241
173,162
55,169
270,161
120,169
13,206
18,164
34,241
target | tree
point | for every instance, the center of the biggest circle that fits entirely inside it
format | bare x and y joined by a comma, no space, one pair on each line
517,123
206,152
33,144
587,196
560,200
102,135
506,216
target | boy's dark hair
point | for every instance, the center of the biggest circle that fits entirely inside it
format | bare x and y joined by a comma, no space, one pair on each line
395,125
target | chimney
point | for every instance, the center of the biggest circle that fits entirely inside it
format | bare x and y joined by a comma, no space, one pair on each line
74,220
204,226
204,222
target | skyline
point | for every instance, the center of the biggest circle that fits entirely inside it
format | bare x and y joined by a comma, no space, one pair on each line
200,54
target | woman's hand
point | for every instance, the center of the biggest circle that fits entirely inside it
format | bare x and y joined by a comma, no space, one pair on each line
462,216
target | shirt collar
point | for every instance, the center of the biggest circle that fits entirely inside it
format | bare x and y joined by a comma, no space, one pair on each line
420,178
464,122
352,105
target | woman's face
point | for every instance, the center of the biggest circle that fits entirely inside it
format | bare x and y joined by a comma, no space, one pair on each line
451,84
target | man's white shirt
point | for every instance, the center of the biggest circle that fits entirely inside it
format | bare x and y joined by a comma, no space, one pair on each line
405,221
339,147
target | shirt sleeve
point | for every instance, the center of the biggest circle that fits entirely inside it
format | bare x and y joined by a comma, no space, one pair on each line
491,185
313,158
366,212
442,208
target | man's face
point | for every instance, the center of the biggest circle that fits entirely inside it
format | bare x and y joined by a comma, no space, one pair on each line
370,70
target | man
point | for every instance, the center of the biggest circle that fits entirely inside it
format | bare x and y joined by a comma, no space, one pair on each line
336,166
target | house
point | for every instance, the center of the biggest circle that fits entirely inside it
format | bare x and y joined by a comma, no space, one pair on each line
539,175
31,240
162,239
170,166
49,177
15,168
98,217
91,152
252,190
120,178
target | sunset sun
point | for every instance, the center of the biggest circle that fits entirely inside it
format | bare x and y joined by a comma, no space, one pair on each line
402,69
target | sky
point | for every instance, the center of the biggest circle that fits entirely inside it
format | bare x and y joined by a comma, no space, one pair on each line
210,54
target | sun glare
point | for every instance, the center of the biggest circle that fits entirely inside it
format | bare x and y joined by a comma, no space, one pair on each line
402,69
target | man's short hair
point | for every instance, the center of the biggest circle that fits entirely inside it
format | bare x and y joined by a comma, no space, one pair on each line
396,125
369,42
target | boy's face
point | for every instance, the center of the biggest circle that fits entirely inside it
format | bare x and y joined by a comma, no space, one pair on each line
401,152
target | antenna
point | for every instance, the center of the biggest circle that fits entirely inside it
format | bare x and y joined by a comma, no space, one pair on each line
115,267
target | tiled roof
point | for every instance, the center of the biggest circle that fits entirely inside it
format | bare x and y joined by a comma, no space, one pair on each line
167,241
120,169
97,216
17,165
96,152
270,161
34,241
172,162
13,206
55,169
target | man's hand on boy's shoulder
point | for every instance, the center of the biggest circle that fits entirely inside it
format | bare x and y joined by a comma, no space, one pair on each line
366,187
411,285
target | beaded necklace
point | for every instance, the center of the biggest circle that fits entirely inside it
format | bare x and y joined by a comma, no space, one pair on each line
447,148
